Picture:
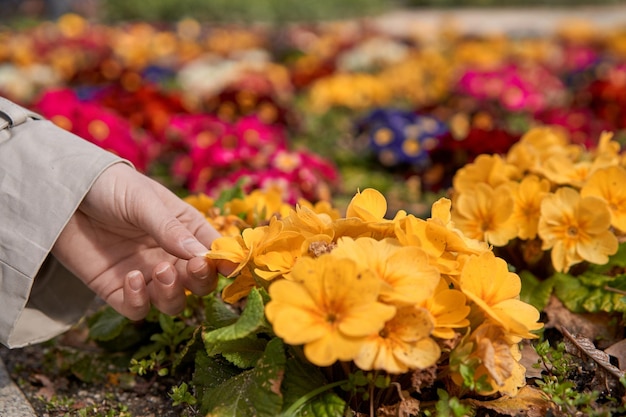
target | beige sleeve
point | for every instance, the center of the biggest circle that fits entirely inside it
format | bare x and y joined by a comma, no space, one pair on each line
45,173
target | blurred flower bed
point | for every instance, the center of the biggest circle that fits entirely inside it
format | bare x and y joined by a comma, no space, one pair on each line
471,169
319,109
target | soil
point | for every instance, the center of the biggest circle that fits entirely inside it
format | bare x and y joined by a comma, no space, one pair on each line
72,376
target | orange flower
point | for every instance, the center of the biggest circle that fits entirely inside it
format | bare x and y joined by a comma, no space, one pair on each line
610,185
487,282
402,345
484,214
330,306
576,229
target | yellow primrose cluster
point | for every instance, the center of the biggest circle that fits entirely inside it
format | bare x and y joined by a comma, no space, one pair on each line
549,193
390,295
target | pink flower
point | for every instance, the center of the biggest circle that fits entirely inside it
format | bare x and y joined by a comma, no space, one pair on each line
98,125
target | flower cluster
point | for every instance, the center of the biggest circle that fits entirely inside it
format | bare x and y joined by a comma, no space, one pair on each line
393,295
552,195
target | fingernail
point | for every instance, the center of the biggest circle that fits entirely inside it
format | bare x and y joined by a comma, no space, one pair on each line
194,247
202,272
135,280
165,275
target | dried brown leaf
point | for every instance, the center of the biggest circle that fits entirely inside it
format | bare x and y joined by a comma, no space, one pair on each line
47,389
596,326
582,347
529,402
618,350
529,359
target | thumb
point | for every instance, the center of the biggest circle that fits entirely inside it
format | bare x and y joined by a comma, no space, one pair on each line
175,238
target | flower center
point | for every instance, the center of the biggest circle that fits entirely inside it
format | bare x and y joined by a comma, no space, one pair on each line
572,231
331,318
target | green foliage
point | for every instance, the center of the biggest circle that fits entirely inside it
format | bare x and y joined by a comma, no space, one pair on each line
251,321
254,391
230,193
561,389
245,370
462,362
534,291
591,292
449,406
181,395
270,11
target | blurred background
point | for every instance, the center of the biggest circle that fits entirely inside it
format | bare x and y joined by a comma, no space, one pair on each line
316,98
233,10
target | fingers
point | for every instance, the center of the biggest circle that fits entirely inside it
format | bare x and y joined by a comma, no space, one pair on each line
178,228
201,276
166,290
136,302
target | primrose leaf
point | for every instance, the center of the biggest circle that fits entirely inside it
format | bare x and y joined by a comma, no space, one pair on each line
252,318
589,292
243,353
210,373
231,193
570,291
300,379
107,324
218,314
534,291
255,392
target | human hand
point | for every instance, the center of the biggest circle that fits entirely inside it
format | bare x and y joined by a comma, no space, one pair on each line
135,243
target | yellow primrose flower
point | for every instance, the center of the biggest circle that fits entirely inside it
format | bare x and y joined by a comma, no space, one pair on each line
449,310
441,214
576,229
539,144
405,272
432,239
307,222
403,344
607,153
259,206
527,205
321,207
241,249
369,205
227,225
487,282
276,257
486,169
610,185
365,216
561,170
240,287
331,306
484,214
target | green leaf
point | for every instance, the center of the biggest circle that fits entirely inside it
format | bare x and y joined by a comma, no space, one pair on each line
588,292
255,392
534,291
230,193
302,378
218,314
252,318
243,353
570,291
107,324
210,373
